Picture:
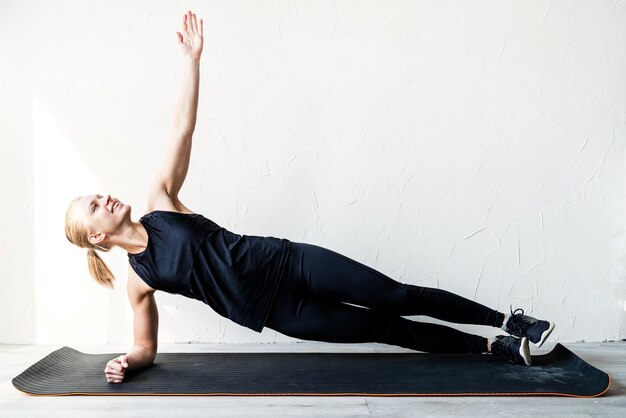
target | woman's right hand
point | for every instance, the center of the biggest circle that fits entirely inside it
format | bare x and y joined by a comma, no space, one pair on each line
115,369
190,38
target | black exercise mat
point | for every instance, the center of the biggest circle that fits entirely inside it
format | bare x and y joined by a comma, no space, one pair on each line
559,373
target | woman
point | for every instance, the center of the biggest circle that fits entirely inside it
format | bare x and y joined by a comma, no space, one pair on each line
298,289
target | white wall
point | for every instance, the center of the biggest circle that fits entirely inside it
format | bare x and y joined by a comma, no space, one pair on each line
475,146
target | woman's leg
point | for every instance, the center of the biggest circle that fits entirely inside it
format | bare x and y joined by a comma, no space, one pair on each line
333,276
298,313
309,306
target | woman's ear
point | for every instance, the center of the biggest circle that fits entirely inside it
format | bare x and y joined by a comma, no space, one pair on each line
96,238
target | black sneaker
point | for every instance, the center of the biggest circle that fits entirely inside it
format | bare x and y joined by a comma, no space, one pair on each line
520,325
514,350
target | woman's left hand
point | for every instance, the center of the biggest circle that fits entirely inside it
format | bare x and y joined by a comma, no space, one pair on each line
190,38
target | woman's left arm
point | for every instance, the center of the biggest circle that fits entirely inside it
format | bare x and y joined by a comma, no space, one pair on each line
190,42
173,172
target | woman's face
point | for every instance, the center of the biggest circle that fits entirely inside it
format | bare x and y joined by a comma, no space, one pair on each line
103,214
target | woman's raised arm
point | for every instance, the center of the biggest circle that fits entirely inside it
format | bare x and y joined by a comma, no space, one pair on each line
190,42
172,174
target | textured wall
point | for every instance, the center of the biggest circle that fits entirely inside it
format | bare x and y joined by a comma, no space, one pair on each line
476,146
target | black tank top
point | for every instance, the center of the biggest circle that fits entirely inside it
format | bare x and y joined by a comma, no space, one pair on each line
236,275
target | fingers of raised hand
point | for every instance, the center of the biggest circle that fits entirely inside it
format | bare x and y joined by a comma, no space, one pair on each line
190,23
194,24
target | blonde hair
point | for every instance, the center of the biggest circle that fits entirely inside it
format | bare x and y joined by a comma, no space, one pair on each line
77,234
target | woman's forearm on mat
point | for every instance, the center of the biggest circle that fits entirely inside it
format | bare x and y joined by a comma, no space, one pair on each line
139,357
187,104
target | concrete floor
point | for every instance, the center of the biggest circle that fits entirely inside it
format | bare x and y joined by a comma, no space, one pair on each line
609,357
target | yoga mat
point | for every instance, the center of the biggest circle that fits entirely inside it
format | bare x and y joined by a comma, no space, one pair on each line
560,372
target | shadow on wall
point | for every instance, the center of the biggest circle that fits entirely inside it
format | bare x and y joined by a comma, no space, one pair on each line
69,306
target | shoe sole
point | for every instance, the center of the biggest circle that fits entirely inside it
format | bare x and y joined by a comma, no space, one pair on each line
545,335
525,352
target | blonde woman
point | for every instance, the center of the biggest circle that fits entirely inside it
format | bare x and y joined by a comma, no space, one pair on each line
298,289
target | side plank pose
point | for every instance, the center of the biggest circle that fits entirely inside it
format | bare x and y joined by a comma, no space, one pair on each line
297,289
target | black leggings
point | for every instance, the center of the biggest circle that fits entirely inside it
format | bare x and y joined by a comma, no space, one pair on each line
316,298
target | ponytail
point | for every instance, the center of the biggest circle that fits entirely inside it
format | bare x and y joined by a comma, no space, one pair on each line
99,270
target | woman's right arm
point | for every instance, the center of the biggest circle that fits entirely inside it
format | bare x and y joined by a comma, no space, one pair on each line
139,358
145,323
145,326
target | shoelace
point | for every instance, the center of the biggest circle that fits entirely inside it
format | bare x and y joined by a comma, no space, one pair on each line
519,324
